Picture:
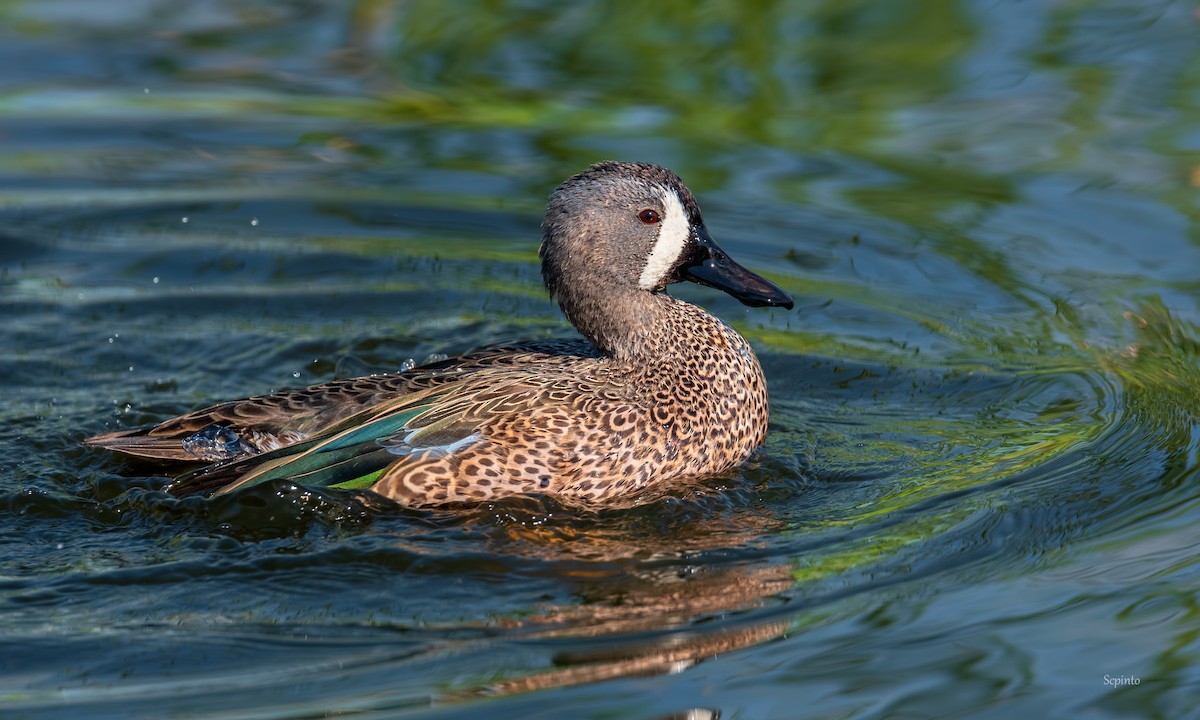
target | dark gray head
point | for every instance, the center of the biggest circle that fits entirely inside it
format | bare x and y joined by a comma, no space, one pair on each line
621,230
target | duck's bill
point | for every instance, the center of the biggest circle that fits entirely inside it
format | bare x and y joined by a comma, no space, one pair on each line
712,267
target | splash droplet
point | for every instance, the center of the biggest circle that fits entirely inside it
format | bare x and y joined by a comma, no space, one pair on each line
215,443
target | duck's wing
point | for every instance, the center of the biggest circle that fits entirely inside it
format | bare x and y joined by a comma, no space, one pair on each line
356,451
264,423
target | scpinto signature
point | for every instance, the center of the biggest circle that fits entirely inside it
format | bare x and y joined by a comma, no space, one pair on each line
1120,680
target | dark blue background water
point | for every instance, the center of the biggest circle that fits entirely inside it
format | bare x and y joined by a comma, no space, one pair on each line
979,496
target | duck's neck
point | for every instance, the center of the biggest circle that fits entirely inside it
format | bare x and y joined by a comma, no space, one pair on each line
638,327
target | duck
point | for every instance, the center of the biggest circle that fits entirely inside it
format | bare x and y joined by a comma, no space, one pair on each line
656,389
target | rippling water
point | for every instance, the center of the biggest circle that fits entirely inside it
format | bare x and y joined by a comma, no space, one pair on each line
979,495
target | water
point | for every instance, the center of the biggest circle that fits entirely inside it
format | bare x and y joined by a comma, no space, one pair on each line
979,496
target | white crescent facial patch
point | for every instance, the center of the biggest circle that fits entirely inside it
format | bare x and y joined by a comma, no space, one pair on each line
673,233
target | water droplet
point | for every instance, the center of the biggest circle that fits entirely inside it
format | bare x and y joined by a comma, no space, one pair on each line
296,374
253,222
407,365
146,91
59,546
183,219
214,443
155,279
110,341
130,368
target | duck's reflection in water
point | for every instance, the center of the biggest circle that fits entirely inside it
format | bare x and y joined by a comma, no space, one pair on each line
651,582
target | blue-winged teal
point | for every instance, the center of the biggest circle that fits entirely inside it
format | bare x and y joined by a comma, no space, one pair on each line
661,389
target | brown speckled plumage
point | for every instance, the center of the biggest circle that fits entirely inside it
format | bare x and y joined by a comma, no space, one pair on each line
661,389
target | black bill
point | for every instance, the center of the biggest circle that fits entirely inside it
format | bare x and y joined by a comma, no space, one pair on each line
709,265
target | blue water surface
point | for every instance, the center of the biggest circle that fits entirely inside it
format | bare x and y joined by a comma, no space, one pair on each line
979,496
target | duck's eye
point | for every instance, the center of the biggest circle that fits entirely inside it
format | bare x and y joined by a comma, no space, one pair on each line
649,216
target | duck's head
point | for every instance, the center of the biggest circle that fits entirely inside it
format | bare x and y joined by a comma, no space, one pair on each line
621,229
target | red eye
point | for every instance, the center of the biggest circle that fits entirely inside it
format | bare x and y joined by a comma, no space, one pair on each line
649,216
